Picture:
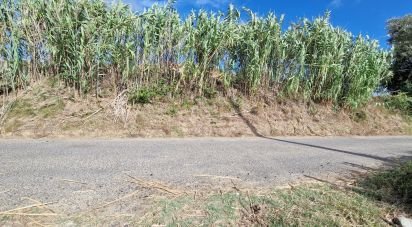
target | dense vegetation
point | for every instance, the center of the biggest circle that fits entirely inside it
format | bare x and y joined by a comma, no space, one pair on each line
87,43
393,185
400,31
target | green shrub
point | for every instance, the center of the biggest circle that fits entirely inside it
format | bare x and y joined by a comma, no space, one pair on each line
209,93
172,111
393,185
359,116
401,102
141,96
147,95
400,37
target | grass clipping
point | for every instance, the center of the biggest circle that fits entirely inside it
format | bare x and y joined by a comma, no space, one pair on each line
305,205
373,201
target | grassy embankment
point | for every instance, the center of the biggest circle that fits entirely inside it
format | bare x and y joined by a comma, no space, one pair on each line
122,59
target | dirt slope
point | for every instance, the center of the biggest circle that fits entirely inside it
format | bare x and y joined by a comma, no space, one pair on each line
46,111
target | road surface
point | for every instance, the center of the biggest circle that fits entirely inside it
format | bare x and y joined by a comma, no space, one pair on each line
78,174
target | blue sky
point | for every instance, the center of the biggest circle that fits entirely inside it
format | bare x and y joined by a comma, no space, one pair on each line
367,17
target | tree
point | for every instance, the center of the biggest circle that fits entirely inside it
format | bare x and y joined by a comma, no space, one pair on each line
400,32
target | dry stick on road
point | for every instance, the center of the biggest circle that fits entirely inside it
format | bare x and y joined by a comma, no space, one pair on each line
144,184
117,200
35,222
31,214
41,204
217,177
235,186
155,185
110,203
24,208
120,215
73,181
17,211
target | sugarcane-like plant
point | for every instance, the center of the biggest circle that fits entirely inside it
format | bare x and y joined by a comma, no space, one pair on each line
85,42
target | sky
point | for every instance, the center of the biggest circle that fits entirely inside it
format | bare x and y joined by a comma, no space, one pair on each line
366,17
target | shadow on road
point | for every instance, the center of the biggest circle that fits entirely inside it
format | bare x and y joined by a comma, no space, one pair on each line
254,130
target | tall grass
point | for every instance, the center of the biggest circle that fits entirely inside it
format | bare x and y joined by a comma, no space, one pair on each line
86,42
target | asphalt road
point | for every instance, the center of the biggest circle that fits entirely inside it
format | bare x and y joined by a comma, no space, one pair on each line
78,174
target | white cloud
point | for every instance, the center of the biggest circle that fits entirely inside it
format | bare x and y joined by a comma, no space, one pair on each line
335,3
212,3
140,5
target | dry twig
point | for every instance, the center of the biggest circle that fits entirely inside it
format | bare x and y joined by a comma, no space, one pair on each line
23,208
217,177
91,115
116,200
159,186
40,204
31,214
73,181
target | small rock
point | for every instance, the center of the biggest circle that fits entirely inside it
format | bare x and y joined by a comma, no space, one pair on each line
403,221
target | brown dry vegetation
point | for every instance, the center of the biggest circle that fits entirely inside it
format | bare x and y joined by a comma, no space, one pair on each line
51,111
370,197
158,204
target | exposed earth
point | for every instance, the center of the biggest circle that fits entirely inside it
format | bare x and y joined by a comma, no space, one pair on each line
45,111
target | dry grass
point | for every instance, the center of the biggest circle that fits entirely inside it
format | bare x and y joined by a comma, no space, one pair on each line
344,202
35,214
306,205
337,203
46,111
